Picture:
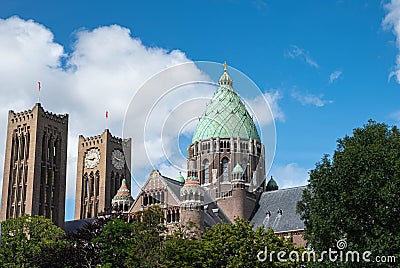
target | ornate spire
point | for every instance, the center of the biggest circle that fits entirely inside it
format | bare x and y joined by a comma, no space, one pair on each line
192,185
123,200
225,80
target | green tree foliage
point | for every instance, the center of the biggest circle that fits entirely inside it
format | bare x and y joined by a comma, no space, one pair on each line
84,251
27,240
238,244
182,248
114,242
142,242
355,194
148,234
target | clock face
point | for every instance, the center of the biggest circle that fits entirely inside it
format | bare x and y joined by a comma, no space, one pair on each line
92,158
118,159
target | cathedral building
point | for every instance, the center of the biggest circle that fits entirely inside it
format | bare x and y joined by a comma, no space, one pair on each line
226,175
34,179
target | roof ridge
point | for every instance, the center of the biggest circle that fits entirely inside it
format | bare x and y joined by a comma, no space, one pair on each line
289,188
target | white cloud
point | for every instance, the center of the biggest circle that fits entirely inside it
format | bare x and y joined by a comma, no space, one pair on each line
335,75
103,71
310,99
259,110
290,175
392,21
296,52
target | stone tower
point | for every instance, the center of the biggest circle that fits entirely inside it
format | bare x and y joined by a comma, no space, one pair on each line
35,165
225,137
192,200
103,163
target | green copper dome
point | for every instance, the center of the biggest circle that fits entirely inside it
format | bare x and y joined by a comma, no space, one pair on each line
180,178
238,169
225,116
272,185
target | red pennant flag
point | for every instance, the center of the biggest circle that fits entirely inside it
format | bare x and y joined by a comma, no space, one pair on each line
38,85
106,114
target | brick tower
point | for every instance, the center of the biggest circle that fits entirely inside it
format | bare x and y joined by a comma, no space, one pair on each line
103,163
192,200
35,165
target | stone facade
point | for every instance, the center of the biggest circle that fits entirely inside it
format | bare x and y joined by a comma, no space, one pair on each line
103,162
296,236
163,192
34,179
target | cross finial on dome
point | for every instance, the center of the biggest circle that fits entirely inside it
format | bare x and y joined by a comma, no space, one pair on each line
225,79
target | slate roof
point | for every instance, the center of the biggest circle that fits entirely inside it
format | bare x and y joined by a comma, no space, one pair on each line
74,225
175,186
213,214
274,201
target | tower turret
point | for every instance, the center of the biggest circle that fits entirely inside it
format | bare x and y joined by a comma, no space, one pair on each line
192,200
271,185
123,200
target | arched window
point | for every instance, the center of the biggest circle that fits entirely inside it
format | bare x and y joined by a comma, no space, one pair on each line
244,165
86,185
97,183
224,168
162,197
112,183
206,171
145,200
158,198
168,216
91,184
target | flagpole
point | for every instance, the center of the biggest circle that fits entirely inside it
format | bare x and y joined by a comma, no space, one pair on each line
106,119
38,92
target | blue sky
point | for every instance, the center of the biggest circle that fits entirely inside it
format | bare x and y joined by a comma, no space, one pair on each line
328,62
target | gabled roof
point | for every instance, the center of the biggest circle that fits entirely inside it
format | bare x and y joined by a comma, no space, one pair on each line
173,186
284,201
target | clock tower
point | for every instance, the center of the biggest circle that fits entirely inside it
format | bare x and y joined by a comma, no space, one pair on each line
103,162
